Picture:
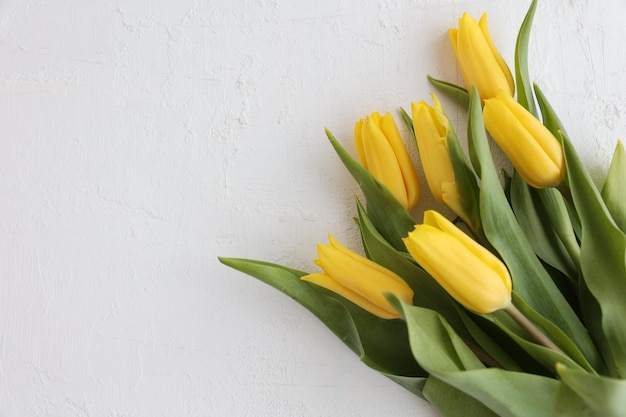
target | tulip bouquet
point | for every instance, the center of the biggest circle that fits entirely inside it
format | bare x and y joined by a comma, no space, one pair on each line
516,306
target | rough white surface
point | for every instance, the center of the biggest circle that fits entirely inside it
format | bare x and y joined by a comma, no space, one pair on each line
141,139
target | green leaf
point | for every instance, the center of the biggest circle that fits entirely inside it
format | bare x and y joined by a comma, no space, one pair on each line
544,219
439,394
466,184
456,93
545,356
603,265
614,190
582,394
428,293
554,125
445,356
434,343
407,121
364,333
522,78
507,393
414,385
287,281
496,349
530,279
387,214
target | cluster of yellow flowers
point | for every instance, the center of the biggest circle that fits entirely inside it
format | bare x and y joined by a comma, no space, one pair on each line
468,342
471,274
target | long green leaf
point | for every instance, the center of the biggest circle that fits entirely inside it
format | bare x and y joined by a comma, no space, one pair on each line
367,335
582,394
544,218
442,353
530,279
389,216
614,189
522,78
428,293
287,280
603,265
554,125
548,358
456,93
439,394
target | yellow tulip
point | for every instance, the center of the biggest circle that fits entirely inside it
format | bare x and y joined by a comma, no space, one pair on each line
431,126
480,61
358,279
383,154
471,274
534,151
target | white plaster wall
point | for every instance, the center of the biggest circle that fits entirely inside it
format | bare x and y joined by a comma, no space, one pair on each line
140,139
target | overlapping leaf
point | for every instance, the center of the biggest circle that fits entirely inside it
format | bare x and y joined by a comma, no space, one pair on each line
446,357
614,189
582,394
366,335
389,216
530,279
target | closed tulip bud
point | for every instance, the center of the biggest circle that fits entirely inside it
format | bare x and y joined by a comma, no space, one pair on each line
431,126
534,151
383,154
471,274
480,61
358,279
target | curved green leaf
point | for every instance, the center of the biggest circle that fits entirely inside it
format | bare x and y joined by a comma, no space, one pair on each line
614,189
466,184
439,394
530,279
554,125
362,332
549,358
603,265
582,394
444,355
456,93
387,214
522,78
544,218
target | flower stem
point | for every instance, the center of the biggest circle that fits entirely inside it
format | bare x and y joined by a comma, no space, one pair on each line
531,329
566,193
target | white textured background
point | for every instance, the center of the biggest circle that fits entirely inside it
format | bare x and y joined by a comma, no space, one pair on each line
140,139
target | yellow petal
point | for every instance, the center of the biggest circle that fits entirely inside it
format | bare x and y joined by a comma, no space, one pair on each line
382,162
484,27
468,272
479,63
431,136
409,174
330,284
533,150
361,275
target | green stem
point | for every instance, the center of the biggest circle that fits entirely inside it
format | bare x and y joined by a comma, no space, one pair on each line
531,329
566,193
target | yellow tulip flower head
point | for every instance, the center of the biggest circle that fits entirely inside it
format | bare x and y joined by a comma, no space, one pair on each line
471,274
534,151
480,61
383,154
358,279
431,126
